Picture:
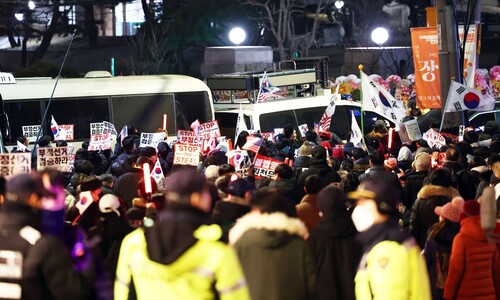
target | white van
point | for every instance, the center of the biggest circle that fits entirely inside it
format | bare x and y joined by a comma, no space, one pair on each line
298,102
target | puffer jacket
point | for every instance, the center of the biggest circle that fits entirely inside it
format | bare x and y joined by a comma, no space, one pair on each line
422,214
474,271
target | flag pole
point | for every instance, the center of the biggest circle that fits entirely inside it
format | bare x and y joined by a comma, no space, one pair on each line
360,67
443,109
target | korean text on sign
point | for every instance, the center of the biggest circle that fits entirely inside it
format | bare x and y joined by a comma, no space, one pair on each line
186,155
14,163
264,166
152,139
31,132
189,137
52,158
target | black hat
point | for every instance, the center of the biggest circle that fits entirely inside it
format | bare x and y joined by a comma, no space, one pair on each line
318,152
494,158
383,193
20,187
331,200
184,182
90,183
240,187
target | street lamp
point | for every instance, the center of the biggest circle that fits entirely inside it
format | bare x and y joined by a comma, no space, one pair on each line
237,36
19,16
339,4
380,35
31,5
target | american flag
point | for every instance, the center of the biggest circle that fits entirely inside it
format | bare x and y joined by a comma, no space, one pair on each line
253,144
324,123
267,90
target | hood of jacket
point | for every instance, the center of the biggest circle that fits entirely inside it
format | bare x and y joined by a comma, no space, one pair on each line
173,234
430,190
386,231
275,229
338,225
282,184
471,227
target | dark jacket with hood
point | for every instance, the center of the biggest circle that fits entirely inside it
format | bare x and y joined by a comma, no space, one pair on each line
413,183
288,188
318,167
437,253
422,215
462,180
179,257
336,255
274,256
42,262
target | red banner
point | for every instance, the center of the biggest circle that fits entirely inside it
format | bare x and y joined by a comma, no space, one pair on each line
264,166
424,41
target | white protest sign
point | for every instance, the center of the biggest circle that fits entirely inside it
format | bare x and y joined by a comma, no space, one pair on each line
209,130
14,163
100,142
96,128
69,130
151,139
189,137
434,139
403,134
31,132
303,129
413,130
49,157
269,136
278,131
109,127
186,155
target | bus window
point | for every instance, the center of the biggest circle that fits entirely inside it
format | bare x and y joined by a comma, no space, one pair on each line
276,120
309,116
80,112
146,112
22,114
227,123
192,106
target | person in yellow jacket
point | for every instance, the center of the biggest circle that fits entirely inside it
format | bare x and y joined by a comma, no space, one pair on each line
391,267
179,256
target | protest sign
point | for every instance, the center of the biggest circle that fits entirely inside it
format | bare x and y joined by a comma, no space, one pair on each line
264,166
52,158
278,131
209,130
434,139
100,142
238,159
186,155
268,136
14,163
31,132
69,130
303,129
413,130
189,137
151,139
96,128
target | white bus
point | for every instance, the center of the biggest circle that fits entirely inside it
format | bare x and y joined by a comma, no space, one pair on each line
139,100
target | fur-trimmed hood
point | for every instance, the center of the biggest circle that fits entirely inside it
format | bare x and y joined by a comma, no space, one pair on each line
430,190
270,222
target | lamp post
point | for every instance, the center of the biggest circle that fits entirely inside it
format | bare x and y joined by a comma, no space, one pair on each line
380,35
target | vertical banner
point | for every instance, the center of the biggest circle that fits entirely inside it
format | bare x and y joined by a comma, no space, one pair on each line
424,41
470,53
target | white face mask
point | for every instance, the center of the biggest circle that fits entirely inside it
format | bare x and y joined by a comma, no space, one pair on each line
363,215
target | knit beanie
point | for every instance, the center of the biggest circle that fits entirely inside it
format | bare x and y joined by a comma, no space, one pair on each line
422,162
448,211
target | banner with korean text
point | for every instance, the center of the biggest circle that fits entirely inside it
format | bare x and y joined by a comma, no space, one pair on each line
100,142
52,157
31,132
14,163
186,155
264,166
189,137
424,41
152,139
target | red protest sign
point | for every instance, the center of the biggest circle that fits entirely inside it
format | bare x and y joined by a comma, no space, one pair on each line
264,166
209,129
189,137
186,154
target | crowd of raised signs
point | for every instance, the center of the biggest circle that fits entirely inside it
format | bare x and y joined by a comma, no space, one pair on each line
110,193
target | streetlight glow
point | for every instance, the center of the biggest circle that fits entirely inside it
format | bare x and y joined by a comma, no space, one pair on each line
19,16
339,4
31,5
237,36
380,35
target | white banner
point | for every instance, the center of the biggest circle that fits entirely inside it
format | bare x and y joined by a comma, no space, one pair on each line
189,137
31,132
151,139
49,157
186,155
69,130
14,163
96,128
413,130
100,142
434,139
209,130
303,129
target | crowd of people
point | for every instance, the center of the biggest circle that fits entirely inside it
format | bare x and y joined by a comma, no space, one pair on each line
383,221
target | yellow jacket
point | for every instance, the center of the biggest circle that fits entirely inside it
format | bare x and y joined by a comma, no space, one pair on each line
393,271
207,264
